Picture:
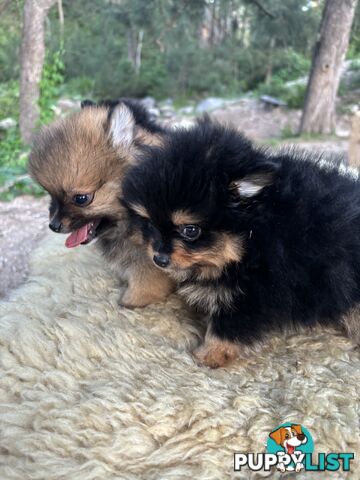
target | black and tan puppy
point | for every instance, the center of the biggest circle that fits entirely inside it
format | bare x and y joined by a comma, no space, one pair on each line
80,161
257,241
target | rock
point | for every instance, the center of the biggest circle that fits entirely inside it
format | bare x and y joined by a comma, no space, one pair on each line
7,123
154,112
209,104
182,123
168,102
57,111
342,132
148,102
353,108
66,105
186,110
302,81
167,111
274,102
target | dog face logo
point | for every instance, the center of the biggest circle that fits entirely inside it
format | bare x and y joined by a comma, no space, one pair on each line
290,441
290,448
289,437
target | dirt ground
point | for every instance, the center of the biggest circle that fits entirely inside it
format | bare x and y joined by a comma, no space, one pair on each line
24,221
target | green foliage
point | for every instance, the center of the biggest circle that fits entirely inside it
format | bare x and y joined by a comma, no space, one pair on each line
9,99
189,50
101,37
50,85
293,95
10,32
100,42
287,133
11,149
14,179
291,65
82,87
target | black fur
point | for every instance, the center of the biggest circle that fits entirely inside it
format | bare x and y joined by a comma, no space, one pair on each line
142,116
301,231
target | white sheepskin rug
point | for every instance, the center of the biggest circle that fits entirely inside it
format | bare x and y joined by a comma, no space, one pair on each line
93,391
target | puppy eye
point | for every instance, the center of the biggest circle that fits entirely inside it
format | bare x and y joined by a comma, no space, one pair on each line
190,232
83,199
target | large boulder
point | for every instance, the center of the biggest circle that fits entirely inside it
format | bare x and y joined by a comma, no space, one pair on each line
209,104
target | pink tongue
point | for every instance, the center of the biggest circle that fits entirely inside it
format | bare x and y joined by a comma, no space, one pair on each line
77,237
290,449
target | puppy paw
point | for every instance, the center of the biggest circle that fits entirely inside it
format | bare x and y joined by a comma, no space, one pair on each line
145,291
132,299
215,352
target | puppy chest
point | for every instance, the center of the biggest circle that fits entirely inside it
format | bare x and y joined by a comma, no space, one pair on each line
207,298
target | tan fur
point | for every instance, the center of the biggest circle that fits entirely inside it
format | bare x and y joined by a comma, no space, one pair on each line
147,138
76,155
226,248
208,298
351,322
140,210
183,217
215,352
145,286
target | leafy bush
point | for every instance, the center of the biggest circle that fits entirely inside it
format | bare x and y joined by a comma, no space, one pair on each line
295,97
50,85
290,65
16,182
9,99
11,149
14,179
82,87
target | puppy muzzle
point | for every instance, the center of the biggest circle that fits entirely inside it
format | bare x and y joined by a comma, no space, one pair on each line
161,260
55,225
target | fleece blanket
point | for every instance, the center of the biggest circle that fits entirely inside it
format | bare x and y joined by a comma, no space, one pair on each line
90,390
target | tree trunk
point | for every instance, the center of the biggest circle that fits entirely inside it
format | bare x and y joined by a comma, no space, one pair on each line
354,145
138,51
61,21
330,49
32,60
269,67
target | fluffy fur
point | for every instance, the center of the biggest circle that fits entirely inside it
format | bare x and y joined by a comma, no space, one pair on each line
89,391
280,235
87,154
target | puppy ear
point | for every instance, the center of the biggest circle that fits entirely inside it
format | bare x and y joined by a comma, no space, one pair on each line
251,184
87,103
297,428
122,125
276,436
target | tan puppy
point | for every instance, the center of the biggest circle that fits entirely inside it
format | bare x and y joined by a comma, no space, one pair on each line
80,161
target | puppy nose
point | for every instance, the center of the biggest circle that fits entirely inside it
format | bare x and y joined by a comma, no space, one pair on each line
161,259
55,225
